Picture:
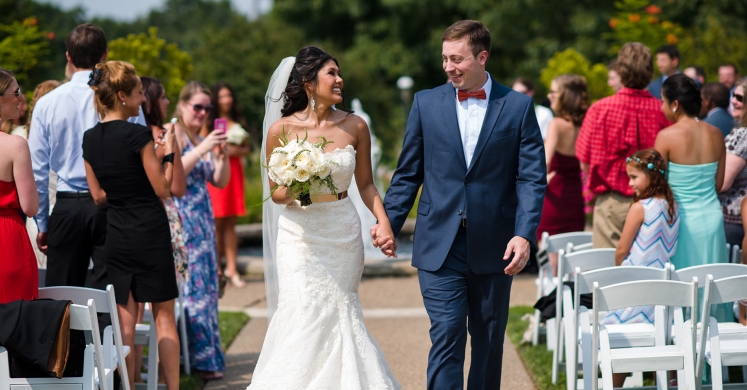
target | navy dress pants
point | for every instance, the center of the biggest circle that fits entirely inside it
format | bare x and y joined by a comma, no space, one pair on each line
458,300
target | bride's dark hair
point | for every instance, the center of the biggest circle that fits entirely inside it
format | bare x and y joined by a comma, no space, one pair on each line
308,62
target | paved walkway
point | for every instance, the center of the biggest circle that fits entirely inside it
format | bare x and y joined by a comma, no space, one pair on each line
394,315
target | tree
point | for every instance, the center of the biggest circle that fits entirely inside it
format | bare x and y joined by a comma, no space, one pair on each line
639,21
153,57
23,46
713,46
570,61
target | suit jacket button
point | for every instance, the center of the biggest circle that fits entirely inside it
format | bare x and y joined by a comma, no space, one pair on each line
468,183
459,212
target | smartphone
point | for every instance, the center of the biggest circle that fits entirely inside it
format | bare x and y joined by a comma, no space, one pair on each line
220,124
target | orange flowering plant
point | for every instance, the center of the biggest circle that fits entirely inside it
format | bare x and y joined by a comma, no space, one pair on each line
640,21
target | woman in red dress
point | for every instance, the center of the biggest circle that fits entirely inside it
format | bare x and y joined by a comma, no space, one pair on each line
563,210
228,203
19,278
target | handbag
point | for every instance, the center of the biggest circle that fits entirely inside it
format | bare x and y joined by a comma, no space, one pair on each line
179,251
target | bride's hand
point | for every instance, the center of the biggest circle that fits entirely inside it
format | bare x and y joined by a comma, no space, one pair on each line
384,240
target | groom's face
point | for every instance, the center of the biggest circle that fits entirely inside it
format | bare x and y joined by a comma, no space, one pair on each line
465,70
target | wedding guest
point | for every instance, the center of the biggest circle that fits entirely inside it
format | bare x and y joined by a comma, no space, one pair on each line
715,107
544,114
613,78
728,74
42,89
667,60
696,73
563,209
735,181
606,137
695,154
18,274
228,203
75,232
124,173
17,126
737,99
649,238
154,109
205,161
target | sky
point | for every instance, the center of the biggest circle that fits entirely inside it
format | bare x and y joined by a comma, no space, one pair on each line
130,9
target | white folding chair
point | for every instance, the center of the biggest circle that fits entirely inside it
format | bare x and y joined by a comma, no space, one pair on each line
724,346
82,317
567,265
621,336
545,281
113,349
736,255
661,357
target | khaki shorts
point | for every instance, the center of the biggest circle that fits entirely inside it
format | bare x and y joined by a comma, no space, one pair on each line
610,211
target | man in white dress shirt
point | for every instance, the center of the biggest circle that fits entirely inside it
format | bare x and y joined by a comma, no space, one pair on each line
544,114
75,232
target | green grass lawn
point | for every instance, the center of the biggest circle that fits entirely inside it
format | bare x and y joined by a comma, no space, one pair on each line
230,324
537,359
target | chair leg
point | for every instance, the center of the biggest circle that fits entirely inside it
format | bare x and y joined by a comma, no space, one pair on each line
153,357
535,332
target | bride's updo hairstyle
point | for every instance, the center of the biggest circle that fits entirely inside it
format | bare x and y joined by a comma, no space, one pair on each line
309,61
107,79
683,89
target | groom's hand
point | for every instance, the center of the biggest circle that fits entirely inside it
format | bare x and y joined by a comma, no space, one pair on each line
519,246
384,240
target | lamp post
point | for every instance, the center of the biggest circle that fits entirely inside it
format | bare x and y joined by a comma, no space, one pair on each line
404,84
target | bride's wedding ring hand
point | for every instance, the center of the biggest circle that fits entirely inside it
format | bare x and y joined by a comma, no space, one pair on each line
383,239
519,246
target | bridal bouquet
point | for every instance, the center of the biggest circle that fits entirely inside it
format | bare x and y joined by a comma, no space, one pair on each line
300,165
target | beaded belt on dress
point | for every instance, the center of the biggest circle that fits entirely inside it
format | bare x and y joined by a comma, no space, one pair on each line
329,197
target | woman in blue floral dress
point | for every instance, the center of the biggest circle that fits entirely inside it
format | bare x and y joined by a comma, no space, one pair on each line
204,162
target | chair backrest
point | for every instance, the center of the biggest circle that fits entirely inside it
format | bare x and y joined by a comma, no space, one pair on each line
585,260
559,241
718,270
726,290
584,281
581,247
646,293
79,296
736,254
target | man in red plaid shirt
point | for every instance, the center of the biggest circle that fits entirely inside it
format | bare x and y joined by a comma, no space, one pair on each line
613,129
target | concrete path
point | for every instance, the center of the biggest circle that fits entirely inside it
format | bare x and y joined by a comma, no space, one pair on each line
395,317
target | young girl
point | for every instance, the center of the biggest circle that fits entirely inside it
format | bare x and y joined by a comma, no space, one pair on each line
649,236
649,244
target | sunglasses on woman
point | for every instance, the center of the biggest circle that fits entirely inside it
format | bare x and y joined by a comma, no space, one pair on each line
740,98
200,107
18,93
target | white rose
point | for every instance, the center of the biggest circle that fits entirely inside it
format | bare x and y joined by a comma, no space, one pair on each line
275,158
302,175
302,159
323,171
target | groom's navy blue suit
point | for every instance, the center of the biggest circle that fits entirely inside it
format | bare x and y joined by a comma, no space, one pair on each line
500,196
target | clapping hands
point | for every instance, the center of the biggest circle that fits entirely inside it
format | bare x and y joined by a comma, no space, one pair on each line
383,238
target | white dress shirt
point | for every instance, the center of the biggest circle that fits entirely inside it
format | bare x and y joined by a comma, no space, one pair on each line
544,117
470,115
56,139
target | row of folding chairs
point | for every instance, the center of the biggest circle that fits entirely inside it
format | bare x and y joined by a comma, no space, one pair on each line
597,266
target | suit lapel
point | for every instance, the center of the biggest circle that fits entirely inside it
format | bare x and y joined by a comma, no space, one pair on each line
495,106
452,124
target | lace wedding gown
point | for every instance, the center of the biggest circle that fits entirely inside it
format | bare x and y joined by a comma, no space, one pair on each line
316,338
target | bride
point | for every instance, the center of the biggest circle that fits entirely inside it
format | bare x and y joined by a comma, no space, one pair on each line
314,255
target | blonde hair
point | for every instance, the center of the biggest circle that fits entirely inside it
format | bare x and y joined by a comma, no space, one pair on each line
6,78
188,91
108,79
573,98
42,89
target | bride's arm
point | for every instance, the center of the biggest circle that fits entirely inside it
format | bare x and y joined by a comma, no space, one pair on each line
367,188
280,196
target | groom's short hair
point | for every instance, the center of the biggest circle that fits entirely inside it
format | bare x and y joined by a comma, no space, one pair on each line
635,65
479,35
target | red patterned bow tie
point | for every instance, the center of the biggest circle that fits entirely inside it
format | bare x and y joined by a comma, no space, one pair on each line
464,95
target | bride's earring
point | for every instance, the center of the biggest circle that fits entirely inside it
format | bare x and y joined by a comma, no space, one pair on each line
123,103
313,104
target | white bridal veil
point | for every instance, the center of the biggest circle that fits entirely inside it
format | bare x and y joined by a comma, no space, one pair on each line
271,211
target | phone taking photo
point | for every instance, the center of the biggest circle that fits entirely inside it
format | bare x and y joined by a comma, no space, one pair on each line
220,124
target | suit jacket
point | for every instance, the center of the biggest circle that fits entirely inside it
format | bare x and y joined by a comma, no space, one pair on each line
500,193
720,118
655,87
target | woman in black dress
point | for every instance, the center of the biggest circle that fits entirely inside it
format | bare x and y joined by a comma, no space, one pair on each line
122,170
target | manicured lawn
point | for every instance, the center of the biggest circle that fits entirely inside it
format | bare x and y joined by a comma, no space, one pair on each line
230,325
537,360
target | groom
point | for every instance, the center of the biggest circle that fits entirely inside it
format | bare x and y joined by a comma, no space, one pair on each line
475,147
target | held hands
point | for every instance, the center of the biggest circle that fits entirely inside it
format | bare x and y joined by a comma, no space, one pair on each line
519,246
383,238
41,242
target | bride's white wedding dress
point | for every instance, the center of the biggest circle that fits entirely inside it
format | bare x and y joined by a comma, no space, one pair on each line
316,338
